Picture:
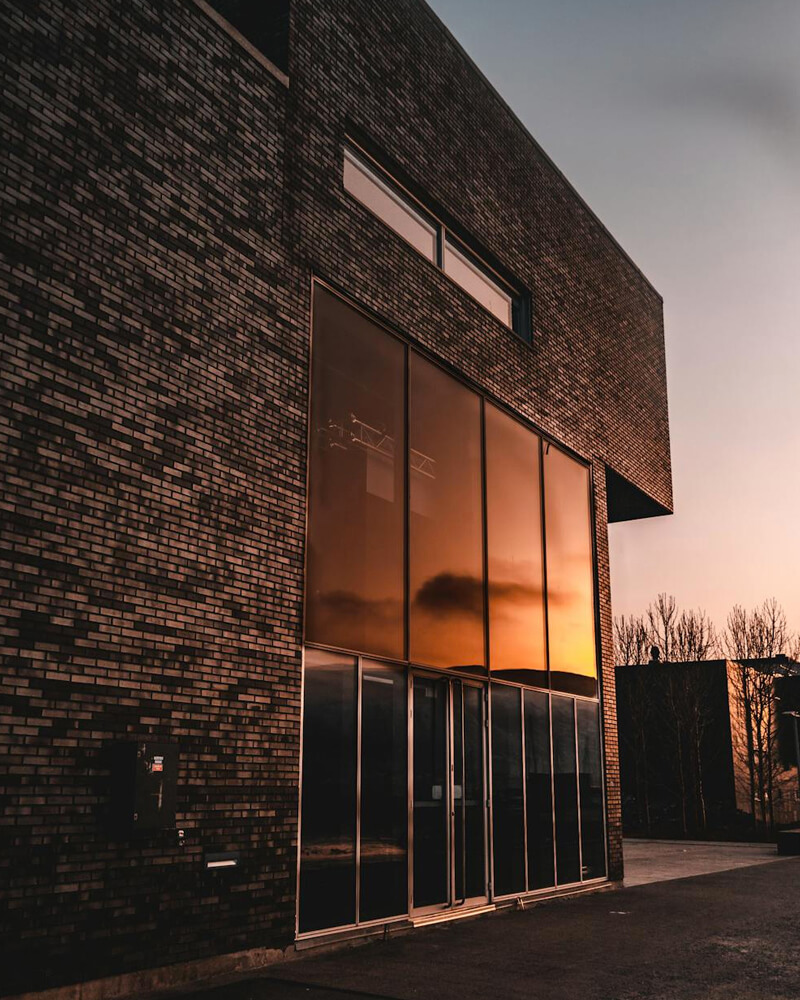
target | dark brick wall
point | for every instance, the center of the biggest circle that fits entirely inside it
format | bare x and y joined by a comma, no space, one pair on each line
594,377
608,692
153,428
166,202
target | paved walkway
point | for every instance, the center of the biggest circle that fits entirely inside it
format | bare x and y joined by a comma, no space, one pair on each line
732,935
661,860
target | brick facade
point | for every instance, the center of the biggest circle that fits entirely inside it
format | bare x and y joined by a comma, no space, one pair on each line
166,202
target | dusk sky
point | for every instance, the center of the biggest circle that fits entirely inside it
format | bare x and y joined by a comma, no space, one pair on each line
679,123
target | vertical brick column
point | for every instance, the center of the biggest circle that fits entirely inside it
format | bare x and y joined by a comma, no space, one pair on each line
608,689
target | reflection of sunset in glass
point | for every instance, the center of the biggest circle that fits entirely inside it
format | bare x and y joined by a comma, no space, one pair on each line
514,536
570,590
360,495
356,506
446,596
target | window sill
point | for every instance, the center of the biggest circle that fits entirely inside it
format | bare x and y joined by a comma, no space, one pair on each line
239,38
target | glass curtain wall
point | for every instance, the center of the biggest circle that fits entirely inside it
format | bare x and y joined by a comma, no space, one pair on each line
446,595
328,804
383,833
515,550
397,532
442,533
570,575
547,794
565,789
539,790
355,572
590,771
354,804
508,810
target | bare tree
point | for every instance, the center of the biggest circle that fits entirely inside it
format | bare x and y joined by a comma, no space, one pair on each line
631,640
758,642
682,713
632,648
694,637
661,617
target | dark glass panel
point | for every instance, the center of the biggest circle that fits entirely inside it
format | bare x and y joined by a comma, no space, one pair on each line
515,563
570,587
384,792
474,794
507,809
565,783
264,24
328,834
539,795
354,588
431,808
445,521
459,812
591,787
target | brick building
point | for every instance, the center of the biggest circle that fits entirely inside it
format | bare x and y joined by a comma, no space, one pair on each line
707,748
320,387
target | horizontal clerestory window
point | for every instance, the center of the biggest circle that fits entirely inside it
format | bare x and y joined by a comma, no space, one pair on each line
393,205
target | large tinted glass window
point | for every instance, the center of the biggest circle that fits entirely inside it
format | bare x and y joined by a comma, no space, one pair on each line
328,834
515,560
354,586
384,792
591,789
539,796
570,588
446,613
565,781
508,820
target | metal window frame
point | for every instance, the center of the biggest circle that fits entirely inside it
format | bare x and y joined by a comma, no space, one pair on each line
484,680
395,193
519,321
482,270
453,904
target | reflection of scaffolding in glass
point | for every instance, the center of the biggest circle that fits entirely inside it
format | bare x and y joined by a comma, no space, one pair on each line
376,440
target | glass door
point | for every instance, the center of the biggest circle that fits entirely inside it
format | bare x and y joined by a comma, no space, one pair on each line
449,793
469,794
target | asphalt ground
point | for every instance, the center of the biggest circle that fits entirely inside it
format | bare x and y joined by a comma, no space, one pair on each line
732,935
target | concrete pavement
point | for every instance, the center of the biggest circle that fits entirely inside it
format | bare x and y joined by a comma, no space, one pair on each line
732,935
659,860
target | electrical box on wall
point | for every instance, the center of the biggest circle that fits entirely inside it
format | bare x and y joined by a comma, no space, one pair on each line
144,779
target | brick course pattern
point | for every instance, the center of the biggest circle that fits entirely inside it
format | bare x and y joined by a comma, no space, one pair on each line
166,201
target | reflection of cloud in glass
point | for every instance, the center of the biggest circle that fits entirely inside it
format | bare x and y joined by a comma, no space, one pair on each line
347,604
570,587
352,621
451,594
454,594
508,596
445,557
514,535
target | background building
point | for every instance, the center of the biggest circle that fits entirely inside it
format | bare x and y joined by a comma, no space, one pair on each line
706,748
321,385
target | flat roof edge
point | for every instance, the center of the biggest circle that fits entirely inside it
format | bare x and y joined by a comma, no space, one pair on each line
540,150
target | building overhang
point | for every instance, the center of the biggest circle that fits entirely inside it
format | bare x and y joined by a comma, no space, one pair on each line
626,502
